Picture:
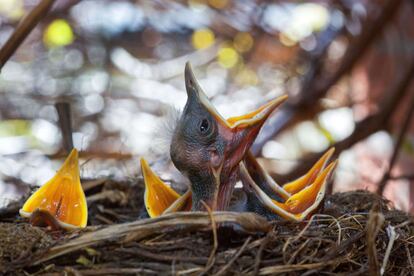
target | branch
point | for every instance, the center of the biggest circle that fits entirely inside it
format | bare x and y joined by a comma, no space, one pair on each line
65,124
371,30
140,229
315,87
375,222
366,127
403,131
403,176
22,30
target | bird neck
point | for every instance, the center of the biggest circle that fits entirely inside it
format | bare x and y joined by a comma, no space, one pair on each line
204,189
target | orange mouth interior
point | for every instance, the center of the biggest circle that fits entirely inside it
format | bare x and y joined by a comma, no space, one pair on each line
159,197
299,184
62,197
303,200
309,191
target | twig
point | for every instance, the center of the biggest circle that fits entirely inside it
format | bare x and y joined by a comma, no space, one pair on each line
137,230
72,271
116,271
189,271
404,128
65,124
273,270
235,257
160,257
104,219
303,231
410,260
26,25
403,176
334,252
113,196
96,155
92,183
258,259
375,222
392,235
211,258
297,251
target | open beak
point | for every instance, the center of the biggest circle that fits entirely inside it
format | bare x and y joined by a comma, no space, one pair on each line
311,196
244,129
296,207
61,201
262,179
236,133
255,118
160,198
300,183
239,132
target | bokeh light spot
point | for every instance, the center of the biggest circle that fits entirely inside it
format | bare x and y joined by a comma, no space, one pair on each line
218,4
243,42
247,77
58,33
227,57
202,38
286,40
12,9
315,15
197,4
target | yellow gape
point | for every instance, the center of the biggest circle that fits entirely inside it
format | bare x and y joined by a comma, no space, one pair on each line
160,198
62,197
299,184
305,194
304,199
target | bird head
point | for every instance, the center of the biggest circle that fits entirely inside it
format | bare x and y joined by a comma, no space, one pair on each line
208,148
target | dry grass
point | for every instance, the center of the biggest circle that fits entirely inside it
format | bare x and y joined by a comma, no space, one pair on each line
358,233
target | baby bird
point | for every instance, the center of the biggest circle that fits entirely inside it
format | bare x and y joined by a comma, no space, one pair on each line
214,154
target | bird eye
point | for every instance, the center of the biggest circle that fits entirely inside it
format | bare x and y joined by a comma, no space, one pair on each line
204,126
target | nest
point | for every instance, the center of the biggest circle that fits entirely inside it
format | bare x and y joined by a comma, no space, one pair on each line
356,233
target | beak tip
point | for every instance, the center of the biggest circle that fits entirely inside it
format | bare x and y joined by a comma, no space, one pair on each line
71,162
330,153
331,168
191,84
188,72
145,168
74,154
187,66
283,97
277,102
